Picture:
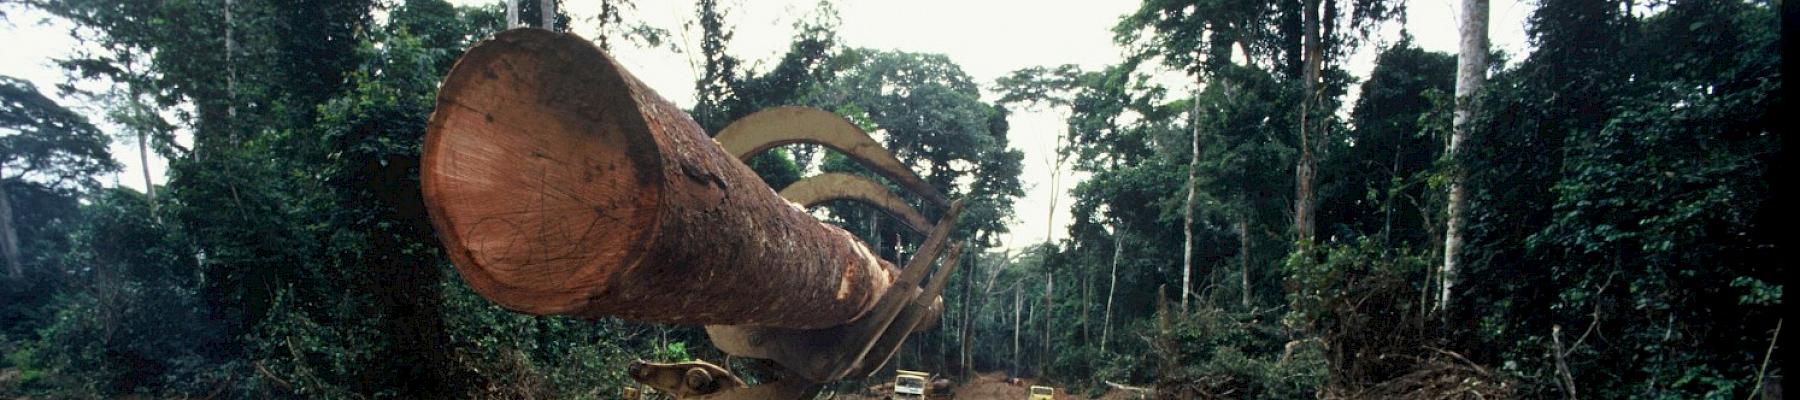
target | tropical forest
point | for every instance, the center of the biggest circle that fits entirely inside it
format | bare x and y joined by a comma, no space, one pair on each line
893,199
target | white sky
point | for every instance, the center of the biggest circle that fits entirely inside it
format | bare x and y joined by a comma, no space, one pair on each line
988,38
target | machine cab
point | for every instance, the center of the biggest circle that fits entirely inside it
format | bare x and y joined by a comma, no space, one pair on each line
910,384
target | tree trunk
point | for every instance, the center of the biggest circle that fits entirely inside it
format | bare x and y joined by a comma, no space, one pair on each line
1018,309
1393,189
548,9
1112,285
1243,231
968,315
1471,75
9,235
1049,313
230,81
1187,208
1050,247
149,186
1087,301
137,114
1303,172
560,184
512,13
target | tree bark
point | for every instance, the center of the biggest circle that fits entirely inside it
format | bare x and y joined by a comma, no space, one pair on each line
1049,313
548,9
1112,285
964,354
1087,301
1471,75
1050,246
1187,207
1018,309
512,13
1313,53
560,184
1243,231
231,134
137,115
9,234
144,160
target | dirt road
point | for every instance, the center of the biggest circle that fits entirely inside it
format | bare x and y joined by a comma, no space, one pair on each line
994,386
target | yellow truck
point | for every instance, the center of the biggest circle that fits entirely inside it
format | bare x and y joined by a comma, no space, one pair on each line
911,385
1042,392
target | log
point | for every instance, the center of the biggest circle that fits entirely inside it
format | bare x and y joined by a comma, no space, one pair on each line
560,184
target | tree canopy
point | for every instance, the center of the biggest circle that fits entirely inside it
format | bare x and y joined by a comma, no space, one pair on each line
1619,240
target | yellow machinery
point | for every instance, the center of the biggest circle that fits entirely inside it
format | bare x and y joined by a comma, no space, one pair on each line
560,184
1042,393
911,385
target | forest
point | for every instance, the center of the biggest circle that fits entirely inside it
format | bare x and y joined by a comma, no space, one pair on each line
1594,218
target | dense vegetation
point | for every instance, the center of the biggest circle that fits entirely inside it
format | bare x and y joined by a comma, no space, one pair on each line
1267,235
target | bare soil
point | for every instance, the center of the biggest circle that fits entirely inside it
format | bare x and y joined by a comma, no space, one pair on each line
994,386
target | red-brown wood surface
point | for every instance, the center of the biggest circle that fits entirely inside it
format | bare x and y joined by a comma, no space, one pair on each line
559,184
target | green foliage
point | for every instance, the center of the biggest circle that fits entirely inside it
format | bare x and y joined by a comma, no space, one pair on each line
1368,304
1649,224
727,93
510,355
1620,221
1379,180
1214,353
929,113
44,142
130,321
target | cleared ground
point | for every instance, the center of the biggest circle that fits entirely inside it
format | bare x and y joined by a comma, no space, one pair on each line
994,386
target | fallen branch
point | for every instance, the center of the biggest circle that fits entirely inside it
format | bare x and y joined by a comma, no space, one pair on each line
1128,388
264,371
1764,370
1564,379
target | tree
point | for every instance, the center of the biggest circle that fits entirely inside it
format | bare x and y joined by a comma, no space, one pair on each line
1293,44
719,70
132,112
1385,161
1471,74
1242,188
1312,59
930,115
1608,158
612,25
1198,39
43,144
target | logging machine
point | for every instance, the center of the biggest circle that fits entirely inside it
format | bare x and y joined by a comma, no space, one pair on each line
560,184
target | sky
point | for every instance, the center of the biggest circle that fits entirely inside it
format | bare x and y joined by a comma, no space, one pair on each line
988,38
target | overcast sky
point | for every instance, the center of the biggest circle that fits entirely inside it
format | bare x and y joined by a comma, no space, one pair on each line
988,38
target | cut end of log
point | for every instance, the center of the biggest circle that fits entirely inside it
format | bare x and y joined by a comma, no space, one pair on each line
538,171
560,184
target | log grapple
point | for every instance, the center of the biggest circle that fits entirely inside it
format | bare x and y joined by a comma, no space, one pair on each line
559,184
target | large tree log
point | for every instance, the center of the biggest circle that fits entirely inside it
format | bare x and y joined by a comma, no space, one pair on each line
560,184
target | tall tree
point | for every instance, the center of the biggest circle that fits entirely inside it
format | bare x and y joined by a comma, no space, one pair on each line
43,144
547,9
1382,165
1203,39
1198,39
1665,128
935,122
1187,207
512,13
1471,75
719,69
1312,58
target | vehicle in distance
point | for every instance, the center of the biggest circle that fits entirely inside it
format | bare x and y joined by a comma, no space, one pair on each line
911,385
